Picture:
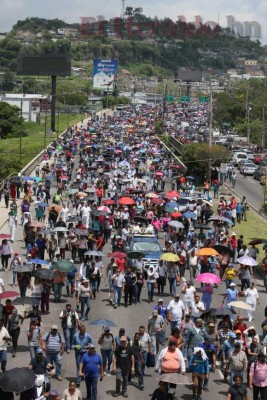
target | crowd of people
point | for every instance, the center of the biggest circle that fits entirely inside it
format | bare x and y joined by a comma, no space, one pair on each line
98,186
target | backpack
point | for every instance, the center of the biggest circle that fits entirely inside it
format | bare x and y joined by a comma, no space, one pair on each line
49,334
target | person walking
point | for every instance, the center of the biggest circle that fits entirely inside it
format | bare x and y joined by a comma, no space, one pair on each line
238,391
195,335
118,281
69,322
138,360
53,344
252,298
13,326
84,294
123,365
155,326
145,341
4,338
81,341
175,312
199,366
238,362
91,367
107,346
258,377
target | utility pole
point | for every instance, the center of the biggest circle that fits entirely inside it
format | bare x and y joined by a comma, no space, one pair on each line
210,134
45,127
20,136
263,128
164,106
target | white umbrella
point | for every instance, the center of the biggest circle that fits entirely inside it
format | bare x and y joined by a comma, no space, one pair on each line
246,260
240,304
60,229
176,224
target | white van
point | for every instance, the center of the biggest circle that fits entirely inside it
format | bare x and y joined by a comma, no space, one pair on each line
238,156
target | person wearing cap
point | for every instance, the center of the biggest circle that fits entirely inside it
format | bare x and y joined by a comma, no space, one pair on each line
80,342
15,262
175,312
155,326
210,351
195,335
229,275
107,346
238,362
41,366
53,344
211,332
231,294
123,365
69,322
162,310
91,367
14,323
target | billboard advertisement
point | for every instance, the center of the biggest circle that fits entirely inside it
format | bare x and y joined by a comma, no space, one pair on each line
105,74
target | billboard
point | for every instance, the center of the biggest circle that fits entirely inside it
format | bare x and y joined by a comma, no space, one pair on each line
189,75
44,64
105,74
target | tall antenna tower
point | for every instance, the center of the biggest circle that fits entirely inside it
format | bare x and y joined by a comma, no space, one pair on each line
123,9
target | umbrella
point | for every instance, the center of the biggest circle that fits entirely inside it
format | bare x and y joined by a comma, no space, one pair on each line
190,214
104,209
200,226
103,322
15,179
47,232
177,379
72,191
22,268
8,294
63,177
207,277
221,312
81,194
94,253
151,195
81,232
117,254
246,260
25,300
42,204
60,229
176,214
240,304
55,206
27,178
190,178
22,309
37,224
176,224
140,219
109,202
157,201
222,249
44,273
64,266
4,236
133,255
169,257
257,241
172,193
171,205
222,219
127,201
99,213
39,261
207,251
142,180
17,380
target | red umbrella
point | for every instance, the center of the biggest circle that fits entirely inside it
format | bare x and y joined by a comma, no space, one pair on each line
8,294
36,224
159,173
63,177
109,202
126,201
4,236
172,193
157,200
257,241
176,214
117,254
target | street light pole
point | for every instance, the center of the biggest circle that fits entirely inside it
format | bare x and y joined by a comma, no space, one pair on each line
263,129
210,135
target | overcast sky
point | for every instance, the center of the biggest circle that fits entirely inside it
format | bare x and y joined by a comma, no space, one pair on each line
72,10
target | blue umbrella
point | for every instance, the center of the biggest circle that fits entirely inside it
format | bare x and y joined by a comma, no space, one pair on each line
49,177
227,220
37,179
42,204
39,261
171,204
27,178
103,322
189,214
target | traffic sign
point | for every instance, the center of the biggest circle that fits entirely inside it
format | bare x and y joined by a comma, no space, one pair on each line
185,99
169,98
204,99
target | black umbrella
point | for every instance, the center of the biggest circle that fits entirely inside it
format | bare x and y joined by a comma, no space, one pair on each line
44,273
25,300
133,255
219,312
99,213
17,380
74,218
141,219
201,226
222,249
23,268
15,179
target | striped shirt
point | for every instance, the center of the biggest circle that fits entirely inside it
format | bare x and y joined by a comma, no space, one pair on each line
53,342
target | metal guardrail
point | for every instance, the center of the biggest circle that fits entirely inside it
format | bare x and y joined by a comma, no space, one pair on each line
178,146
173,154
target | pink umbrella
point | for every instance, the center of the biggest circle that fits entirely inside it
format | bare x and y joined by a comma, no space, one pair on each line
159,173
104,208
207,277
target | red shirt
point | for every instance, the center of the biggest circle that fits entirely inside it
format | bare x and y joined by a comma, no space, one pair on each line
121,264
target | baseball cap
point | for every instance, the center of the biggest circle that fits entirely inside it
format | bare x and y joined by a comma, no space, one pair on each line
238,331
232,335
176,295
211,324
106,329
155,312
237,344
160,300
91,346
39,351
16,253
199,320
123,339
54,327
232,284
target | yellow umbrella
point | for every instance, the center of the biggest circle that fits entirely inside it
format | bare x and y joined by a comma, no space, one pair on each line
206,251
142,180
151,195
169,257
81,194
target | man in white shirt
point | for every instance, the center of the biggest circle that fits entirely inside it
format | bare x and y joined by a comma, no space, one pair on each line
4,337
2,286
175,312
197,308
189,293
85,212
125,217
64,213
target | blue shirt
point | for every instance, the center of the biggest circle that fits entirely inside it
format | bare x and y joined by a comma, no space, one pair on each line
91,365
227,349
81,340
231,295
162,311
197,365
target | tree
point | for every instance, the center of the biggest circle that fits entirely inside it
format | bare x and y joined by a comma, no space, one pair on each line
10,120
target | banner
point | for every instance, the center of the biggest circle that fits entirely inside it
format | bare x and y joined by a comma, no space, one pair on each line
105,74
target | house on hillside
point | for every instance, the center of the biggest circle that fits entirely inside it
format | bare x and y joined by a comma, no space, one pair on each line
31,105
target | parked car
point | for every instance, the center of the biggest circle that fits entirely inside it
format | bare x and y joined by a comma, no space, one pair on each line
259,172
238,156
258,158
248,168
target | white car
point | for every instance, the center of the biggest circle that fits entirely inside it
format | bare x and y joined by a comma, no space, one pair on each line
248,168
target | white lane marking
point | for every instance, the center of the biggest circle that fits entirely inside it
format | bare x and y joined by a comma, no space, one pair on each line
255,183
